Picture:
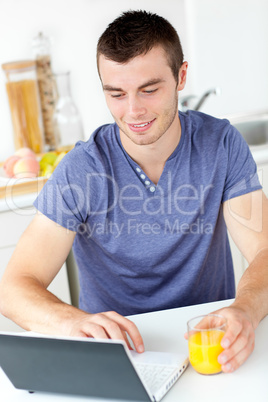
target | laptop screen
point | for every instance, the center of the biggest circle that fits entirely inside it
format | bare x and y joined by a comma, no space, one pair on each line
70,366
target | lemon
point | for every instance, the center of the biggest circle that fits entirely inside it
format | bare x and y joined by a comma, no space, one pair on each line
59,158
47,171
48,159
49,162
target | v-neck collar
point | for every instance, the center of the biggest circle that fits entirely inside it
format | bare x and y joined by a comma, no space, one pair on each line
145,180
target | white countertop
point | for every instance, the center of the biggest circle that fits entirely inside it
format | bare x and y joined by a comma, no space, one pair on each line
19,193
17,202
164,331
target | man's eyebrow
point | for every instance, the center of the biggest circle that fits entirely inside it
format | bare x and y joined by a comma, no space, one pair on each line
110,88
151,82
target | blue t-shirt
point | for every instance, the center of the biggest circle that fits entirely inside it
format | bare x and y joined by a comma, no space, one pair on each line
142,247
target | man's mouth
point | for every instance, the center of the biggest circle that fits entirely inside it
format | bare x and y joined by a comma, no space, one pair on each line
141,126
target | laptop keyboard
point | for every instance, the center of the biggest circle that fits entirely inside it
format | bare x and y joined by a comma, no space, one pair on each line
154,375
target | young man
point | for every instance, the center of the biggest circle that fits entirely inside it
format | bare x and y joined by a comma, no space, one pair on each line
146,201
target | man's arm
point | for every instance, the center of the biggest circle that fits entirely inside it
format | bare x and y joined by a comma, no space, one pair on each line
247,221
24,298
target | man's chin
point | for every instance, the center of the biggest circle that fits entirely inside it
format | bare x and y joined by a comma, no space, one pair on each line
140,138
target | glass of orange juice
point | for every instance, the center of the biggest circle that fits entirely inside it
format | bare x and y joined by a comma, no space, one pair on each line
205,333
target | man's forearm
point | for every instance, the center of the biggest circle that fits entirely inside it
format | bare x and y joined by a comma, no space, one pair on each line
34,308
252,290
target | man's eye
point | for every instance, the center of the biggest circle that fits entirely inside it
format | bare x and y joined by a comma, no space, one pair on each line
116,95
150,91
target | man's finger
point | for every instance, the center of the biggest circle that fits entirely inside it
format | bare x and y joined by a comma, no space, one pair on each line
239,358
130,328
244,341
91,330
111,327
233,329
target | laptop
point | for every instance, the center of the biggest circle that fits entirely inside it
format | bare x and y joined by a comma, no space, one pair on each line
87,367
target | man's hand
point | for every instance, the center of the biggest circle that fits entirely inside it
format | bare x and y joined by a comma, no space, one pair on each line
107,325
238,341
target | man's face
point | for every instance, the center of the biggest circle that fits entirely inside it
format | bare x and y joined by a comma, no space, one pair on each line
142,96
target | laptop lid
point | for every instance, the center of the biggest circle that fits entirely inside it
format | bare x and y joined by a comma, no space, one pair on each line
76,366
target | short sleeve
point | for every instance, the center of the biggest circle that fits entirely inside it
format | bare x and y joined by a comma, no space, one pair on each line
65,197
241,176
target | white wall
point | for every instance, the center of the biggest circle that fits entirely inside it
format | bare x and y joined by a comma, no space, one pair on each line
75,26
229,49
225,42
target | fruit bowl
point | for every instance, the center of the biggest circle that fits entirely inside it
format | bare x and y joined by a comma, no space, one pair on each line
47,162
5,180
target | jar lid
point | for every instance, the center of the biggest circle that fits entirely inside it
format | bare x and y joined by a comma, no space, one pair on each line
22,65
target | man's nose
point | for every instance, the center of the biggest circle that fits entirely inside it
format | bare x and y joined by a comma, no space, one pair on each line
136,107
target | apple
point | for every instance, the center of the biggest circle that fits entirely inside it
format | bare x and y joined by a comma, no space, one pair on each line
26,167
9,165
23,152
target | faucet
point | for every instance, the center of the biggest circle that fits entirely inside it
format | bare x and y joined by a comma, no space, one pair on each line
184,102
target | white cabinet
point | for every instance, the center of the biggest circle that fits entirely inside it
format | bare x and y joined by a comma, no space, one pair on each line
240,263
12,225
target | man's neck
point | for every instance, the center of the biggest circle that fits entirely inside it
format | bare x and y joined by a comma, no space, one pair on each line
152,158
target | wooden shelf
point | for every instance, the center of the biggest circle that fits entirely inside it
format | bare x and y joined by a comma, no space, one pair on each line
16,189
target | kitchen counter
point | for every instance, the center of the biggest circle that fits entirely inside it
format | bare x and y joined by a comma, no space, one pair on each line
17,202
19,193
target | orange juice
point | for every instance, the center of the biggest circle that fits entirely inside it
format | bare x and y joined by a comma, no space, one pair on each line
204,349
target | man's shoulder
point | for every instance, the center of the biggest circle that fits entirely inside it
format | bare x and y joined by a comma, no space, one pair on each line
89,156
101,143
209,130
101,137
203,120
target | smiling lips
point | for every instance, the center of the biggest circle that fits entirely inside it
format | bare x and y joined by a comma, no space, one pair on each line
141,127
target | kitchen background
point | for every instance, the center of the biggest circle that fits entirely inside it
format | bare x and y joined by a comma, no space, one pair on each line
224,41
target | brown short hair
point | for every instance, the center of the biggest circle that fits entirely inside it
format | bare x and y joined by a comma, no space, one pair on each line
135,33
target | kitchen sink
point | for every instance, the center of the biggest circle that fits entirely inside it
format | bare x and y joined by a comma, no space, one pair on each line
254,128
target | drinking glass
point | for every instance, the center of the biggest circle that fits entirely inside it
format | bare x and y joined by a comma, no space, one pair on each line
205,333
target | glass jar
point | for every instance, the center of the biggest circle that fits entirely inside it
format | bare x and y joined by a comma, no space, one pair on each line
24,102
47,89
67,120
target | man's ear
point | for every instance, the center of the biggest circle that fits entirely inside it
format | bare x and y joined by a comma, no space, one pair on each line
182,75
